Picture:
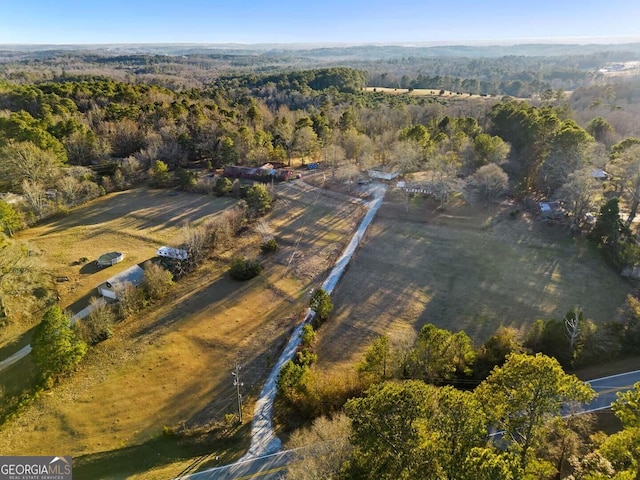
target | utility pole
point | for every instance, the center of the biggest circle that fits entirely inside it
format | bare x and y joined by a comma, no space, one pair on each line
238,384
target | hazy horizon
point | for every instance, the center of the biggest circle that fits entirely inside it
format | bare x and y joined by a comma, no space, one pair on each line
330,44
346,22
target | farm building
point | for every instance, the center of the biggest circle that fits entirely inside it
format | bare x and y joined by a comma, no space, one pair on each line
108,259
109,289
599,174
174,253
551,210
264,174
381,175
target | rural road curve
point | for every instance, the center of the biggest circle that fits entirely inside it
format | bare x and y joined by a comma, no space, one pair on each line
263,438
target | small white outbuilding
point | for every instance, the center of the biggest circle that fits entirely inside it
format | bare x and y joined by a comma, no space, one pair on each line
112,287
599,174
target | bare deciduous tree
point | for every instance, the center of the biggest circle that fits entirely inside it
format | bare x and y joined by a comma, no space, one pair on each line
572,325
321,449
407,157
132,169
196,241
70,187
581,194
98,325
83,147
35,195
333,155
157,281
488,183
131,300
305,142
264,230
25,161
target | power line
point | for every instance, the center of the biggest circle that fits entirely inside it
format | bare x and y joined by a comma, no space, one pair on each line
237,383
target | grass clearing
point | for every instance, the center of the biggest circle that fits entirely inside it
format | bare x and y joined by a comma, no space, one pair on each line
171,366
135,222
466,268
166,456
18,378
424,92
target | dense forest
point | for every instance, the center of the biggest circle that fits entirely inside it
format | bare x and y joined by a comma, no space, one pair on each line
85,123
75,125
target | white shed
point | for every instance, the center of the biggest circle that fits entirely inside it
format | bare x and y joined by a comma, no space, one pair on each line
383,175
133,275
599,174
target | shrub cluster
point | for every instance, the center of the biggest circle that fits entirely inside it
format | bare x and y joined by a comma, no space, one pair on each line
270,246
307,392
321,304
243,269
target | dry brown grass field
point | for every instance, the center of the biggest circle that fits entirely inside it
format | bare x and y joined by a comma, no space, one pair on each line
466,268
424,92
171,365
135,222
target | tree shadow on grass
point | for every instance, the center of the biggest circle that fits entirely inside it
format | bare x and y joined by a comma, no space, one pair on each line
82,302
198,451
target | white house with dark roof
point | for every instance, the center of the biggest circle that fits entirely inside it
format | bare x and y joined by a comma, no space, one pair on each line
110,289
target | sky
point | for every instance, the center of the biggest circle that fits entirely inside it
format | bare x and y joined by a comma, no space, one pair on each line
316,21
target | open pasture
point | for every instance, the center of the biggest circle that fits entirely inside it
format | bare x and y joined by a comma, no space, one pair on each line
424,92
172,364
135,222
466,268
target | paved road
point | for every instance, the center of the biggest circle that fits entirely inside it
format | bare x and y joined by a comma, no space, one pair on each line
269,467
23,352
607,387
